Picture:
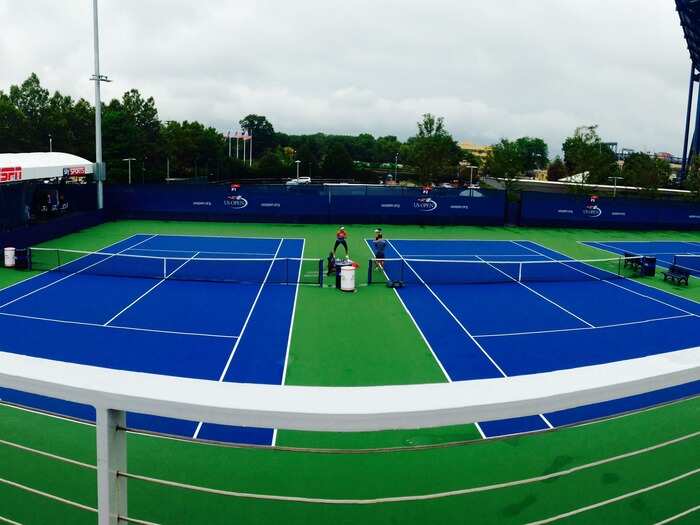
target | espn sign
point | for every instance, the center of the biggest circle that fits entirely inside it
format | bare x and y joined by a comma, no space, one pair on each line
74,172
10,174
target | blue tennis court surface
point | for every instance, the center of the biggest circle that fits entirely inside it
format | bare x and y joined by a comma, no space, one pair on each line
191,315
485,315
683,253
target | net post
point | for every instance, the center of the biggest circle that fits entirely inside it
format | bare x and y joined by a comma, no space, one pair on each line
369,272
111,459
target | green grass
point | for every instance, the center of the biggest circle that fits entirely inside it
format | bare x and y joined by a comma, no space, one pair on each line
365,339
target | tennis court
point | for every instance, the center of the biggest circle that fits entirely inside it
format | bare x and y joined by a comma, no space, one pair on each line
685,254
506,308
216,308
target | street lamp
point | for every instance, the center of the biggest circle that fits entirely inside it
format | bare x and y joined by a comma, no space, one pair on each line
396,169
615,179
297,163
129,161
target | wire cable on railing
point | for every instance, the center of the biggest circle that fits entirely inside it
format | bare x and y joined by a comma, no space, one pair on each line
418,497
48,455
47,495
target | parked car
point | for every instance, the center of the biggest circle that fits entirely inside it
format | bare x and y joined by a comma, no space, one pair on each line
300,180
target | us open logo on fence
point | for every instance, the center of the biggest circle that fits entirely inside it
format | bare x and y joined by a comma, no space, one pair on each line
237,202
592,210
425,204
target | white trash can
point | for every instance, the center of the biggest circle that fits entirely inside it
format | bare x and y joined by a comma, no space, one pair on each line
347,278
9,257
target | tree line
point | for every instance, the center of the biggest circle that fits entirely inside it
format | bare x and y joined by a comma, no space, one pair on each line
31,117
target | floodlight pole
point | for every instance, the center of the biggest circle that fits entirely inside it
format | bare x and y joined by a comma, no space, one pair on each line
97,78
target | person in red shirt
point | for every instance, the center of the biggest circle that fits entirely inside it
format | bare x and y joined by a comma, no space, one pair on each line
340,240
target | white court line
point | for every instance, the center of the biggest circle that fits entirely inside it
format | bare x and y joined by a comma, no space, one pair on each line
117,327
538,294
202,251
459,323
584,328
610,282
72,274
245,325
149,290
232,237
458,240
49,271
415,323
448,256
289,336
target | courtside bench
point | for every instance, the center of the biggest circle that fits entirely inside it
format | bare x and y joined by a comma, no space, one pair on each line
677,275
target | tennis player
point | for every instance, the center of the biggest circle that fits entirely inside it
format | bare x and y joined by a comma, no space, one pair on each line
379,247
341,240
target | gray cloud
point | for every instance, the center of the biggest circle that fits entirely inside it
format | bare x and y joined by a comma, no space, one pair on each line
493,69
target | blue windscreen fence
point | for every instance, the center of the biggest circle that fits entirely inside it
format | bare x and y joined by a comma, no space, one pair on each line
308,204
556,209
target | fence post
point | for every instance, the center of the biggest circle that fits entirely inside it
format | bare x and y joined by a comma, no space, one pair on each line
111,458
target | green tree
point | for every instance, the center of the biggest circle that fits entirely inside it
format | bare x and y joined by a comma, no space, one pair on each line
646,172
505,162
263,133
338,163
308,166
13,126
557,170
534,153
387,148
585,152
692,178
433,151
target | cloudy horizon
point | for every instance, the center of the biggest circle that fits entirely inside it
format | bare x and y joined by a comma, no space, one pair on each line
538,68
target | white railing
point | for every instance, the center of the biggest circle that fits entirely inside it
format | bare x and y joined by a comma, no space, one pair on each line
113,393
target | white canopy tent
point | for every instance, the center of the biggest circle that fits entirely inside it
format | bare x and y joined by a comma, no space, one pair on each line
18,167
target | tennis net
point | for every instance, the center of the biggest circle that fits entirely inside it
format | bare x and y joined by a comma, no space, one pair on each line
480,271
282,270
688,262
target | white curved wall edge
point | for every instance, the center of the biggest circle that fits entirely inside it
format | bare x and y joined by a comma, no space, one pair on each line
347,408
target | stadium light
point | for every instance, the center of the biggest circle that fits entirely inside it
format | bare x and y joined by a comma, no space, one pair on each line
97,78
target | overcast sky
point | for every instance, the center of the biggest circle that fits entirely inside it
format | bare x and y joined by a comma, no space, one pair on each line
505,68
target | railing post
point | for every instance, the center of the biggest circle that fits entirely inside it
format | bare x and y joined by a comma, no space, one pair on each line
111,458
